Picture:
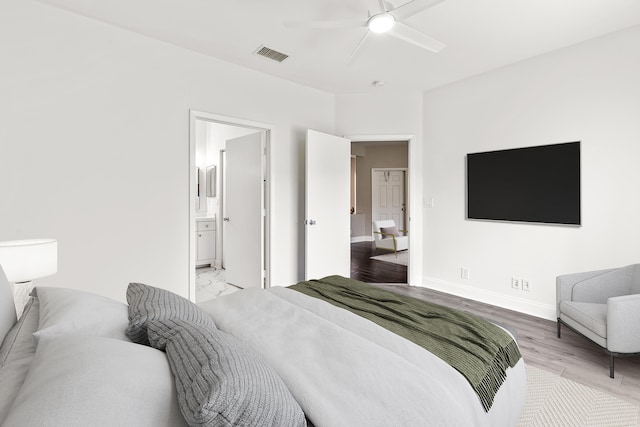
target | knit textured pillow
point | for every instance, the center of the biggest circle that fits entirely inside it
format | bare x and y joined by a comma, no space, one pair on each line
220,381
149,303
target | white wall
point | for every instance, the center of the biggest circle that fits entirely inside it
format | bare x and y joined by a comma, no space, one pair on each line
589,93
391,114
201,162
94,146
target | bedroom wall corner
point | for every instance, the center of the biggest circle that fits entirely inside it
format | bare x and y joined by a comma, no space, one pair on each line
587,92
95,146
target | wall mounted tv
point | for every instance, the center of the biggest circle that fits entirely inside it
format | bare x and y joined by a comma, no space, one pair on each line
533,184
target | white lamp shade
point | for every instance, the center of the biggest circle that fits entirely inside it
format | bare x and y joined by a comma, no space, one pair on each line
26,260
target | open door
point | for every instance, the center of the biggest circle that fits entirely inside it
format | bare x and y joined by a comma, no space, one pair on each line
243,218
327,193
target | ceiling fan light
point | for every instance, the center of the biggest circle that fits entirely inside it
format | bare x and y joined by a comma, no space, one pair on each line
381,23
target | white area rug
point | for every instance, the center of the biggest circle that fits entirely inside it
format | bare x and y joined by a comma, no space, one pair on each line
556,401
402,258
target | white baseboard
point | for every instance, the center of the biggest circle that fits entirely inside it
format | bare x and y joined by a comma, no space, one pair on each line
358,239
532,308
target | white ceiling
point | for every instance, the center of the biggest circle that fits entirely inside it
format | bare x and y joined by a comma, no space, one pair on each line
480,35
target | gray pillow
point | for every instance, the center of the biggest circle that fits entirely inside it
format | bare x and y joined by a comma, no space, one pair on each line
220,381
82,380
149,303
390,230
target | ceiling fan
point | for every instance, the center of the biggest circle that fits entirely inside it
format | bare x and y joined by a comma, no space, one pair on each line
389,21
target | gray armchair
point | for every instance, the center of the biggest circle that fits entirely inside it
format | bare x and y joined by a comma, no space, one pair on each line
604,307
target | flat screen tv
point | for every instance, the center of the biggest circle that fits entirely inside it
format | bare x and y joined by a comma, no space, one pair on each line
533,184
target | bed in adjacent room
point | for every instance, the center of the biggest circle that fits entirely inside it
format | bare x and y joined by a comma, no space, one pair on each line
332,352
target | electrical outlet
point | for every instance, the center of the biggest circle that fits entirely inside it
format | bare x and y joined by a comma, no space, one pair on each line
515,283
526,285
465,273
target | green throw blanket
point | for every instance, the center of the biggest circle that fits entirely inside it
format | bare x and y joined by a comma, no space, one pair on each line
478,349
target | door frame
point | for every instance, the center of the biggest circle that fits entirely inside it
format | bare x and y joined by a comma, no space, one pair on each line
267,173
414,189
406,191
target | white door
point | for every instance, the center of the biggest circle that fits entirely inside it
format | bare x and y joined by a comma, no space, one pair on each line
327,193
388,196
243,218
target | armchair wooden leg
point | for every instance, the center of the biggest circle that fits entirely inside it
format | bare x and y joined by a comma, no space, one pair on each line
395,246
559,328
611,365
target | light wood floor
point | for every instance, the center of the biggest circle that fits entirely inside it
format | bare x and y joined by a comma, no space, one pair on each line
571,357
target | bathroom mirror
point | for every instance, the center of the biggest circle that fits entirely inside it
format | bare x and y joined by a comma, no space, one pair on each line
211,181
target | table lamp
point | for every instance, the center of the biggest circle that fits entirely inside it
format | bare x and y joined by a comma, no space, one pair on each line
26,260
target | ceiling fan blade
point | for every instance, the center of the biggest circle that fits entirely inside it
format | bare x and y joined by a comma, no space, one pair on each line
356,51
353,23
412,8
412,36
383,7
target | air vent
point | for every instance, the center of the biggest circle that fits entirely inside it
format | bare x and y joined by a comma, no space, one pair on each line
271,54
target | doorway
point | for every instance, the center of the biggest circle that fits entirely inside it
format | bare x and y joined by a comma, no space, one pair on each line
381,186
228,153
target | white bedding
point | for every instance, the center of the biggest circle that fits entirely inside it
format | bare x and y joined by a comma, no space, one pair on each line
342,369
346,371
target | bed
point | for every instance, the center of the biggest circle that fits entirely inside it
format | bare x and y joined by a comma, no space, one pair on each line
319,353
